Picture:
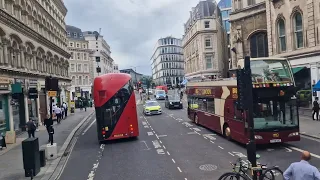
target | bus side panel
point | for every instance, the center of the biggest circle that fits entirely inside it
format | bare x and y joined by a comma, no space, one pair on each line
127,118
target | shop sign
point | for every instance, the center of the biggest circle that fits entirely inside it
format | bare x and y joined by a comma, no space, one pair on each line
4,80
4,87
33,93
52,93
33,83
21,81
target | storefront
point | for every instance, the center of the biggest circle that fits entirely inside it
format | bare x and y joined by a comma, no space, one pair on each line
18,104
4,104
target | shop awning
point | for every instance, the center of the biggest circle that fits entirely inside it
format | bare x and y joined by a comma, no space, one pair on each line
316,87
283,73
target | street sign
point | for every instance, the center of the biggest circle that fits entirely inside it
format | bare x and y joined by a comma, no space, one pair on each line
52,93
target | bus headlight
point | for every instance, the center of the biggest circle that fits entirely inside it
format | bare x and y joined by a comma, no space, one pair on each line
294,134
258,137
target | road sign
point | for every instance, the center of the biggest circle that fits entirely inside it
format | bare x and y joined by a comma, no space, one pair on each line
52,93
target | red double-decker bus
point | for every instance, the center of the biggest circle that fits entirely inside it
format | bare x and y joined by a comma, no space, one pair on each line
115,106
213,104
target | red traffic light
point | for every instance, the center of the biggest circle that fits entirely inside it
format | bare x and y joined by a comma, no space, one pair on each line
139,82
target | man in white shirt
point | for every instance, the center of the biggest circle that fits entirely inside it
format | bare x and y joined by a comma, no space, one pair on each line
58,114
64,105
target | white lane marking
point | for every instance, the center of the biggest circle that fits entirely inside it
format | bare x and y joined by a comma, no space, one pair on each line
160,142
144,123
168,153
150,133
300,150
197,133
146,145
231,154
220,147
205,137
151,128
96,165
84,132
162,135
209,136
153,131
164,147
196,129
239,154
179,169
212,142
173,161
185,179
288,150
146,126
179,119
192,132
187,124
156,144
160,151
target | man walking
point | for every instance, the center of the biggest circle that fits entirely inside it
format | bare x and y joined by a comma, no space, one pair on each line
316,108
64,105
302,170
48,122
31,128
58,114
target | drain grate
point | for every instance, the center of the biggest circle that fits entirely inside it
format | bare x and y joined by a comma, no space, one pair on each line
208,167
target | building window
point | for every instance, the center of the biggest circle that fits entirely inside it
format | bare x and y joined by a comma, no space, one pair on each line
282,35
78,55
72,57
79,68
251,2
86,81
80,80
73,82
75,35
84,46
298,30
208,42
207,24
84,56
72,68
78,45
68,33
85,68
80,34
259,45
208,62
71,44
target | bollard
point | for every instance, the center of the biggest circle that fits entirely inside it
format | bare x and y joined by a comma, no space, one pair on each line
3,144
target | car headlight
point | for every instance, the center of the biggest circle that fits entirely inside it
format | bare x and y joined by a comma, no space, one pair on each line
170,103
180,102
159,109
147,110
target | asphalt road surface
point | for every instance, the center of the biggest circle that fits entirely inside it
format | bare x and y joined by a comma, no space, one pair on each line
171,147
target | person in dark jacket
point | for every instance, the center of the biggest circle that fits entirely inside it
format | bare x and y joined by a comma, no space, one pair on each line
48,122
315,108
31,128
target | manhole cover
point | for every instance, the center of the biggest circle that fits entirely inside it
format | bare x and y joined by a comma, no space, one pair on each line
208,167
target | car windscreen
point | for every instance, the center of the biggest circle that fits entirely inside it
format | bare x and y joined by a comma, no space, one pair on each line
161,92
173,97
152,104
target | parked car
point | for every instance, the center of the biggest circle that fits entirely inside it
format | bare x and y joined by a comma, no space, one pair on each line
173,101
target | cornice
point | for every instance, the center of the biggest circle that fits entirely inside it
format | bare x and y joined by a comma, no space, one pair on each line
27,31
61,6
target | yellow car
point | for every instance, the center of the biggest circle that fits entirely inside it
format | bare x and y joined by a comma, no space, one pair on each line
151,108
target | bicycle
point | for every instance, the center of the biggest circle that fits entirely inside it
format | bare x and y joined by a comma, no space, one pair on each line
245,168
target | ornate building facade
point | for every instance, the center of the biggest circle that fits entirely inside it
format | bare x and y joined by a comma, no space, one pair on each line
32,47
205,42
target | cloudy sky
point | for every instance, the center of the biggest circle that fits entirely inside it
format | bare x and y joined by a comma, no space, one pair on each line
131,27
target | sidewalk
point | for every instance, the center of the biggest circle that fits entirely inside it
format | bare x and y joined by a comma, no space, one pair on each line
310,128
11,162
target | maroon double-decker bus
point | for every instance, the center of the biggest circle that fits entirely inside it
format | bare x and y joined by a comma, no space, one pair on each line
213,104
115,106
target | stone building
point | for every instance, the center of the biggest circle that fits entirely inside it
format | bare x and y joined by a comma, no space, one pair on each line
248,34
32,47
204,42
293,32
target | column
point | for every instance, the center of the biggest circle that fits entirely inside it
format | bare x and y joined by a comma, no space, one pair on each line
18,59
38,111
26,109
10,114
23,60
5,52
314,73
31,61
2,57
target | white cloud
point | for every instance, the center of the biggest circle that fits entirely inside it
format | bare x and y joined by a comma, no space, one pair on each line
131,27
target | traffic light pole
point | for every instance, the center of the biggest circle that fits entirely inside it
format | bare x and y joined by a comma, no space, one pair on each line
245,102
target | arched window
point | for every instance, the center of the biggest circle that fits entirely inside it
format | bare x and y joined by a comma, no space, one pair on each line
259,45
298,30
86,81
80,80
282,35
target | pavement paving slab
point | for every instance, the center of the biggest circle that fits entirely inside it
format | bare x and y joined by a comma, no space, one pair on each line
11,162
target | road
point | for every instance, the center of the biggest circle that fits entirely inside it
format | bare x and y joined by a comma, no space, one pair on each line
170,147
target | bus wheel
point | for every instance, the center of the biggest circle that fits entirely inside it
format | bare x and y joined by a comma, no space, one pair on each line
196,119
227,132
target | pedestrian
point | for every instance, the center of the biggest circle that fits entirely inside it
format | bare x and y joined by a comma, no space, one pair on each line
58,114
62,112
315,108
48,122
302,170
51,133
31,128
64,105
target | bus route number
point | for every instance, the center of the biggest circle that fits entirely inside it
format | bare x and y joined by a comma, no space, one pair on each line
203,91
234,93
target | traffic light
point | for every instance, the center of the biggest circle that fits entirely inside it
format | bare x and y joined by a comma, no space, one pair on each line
241,86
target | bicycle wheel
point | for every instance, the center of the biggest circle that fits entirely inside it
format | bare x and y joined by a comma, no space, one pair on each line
273,173
232,176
